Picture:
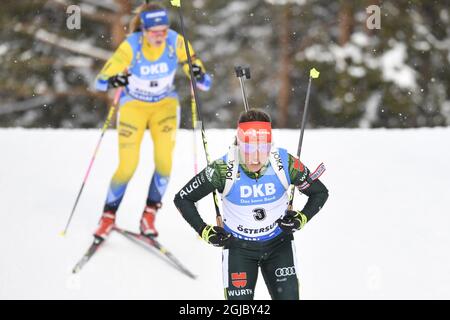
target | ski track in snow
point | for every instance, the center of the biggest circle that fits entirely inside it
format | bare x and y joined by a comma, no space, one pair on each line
383,234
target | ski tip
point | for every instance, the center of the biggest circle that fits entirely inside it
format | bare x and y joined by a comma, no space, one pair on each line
314,73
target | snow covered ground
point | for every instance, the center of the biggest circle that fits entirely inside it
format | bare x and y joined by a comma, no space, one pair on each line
383,234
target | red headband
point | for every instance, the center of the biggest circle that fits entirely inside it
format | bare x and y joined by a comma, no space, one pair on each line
255,131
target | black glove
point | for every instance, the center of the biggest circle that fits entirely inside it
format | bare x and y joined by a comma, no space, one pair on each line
119,80
198,72
292,221
216,236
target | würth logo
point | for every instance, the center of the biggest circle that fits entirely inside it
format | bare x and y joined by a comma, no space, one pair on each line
298,165
239,279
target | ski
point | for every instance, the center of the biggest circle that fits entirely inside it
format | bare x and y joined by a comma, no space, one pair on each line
89,253
153,245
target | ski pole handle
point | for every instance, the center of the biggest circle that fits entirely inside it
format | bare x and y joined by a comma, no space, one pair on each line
242,74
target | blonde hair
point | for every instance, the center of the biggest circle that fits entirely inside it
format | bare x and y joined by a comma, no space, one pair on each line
135,23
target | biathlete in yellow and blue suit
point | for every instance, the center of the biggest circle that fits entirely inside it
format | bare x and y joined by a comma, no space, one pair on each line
145,65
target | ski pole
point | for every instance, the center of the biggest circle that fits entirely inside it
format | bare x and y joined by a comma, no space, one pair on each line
242,74
313,74
194,129
111,112
177,3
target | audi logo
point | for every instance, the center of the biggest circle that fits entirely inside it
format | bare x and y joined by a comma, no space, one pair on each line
284,272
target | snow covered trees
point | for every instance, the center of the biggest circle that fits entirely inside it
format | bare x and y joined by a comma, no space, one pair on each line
395,76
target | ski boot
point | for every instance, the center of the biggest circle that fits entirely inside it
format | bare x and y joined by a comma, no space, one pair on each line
147,224
106,224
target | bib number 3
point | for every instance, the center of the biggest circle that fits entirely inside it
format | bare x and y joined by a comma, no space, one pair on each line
259,214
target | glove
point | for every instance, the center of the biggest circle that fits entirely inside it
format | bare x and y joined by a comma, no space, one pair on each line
216,236
198,72
119,80
292,221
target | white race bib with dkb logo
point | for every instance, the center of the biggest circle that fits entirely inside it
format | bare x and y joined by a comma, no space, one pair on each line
251,207
152,81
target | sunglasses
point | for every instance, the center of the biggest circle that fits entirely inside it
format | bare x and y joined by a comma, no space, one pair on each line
157,32
253,147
